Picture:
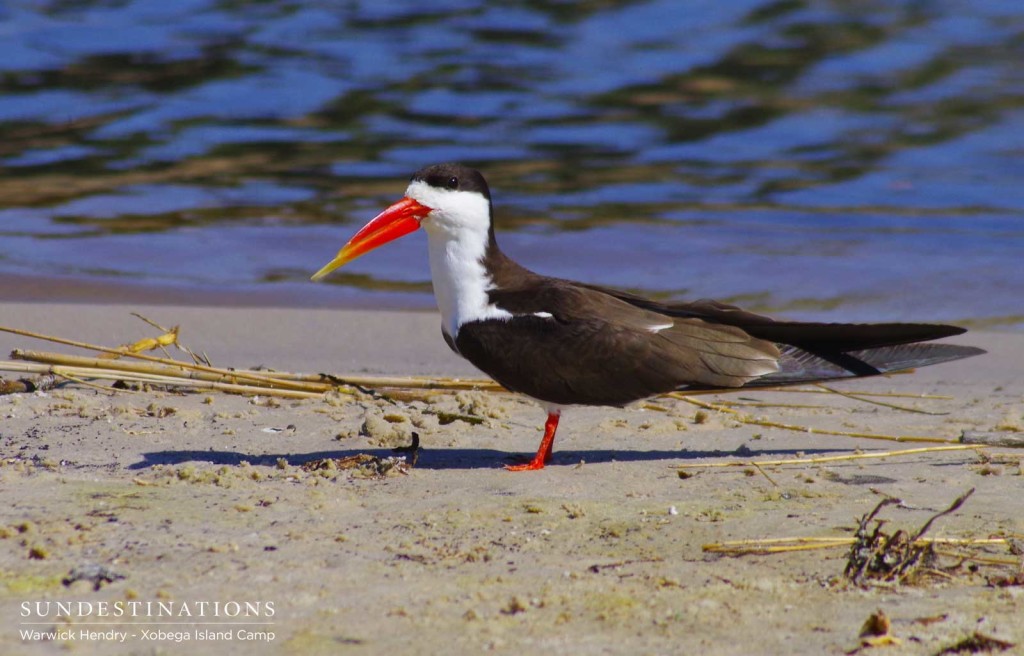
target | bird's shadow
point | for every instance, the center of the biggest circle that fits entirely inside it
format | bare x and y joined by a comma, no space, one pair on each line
459,458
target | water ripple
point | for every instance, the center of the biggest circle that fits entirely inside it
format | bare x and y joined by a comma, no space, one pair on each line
823,159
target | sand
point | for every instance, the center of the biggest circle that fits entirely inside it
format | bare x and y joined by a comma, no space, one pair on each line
197,508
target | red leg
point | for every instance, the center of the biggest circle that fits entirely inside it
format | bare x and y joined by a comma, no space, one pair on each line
547,443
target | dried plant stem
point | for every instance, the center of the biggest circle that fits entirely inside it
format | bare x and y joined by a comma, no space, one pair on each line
149,358
824,459
966,542
891,395
782,545
771,480
988,560
305,382
747,419
416,382
310,385
227,380
195,358
181,370
863,398
403,382
75,379
760,404
754,548
948,511
154,379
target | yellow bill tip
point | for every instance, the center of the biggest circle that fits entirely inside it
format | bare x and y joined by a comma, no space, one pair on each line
330,266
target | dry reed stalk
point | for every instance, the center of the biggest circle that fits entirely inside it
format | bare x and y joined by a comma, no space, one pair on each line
140,356
764,473
168,338
755,549
864,399
783,545
988,560
968,542
440,383
761,404
182,370
891,395
110,390
417,382
747,419
824,459
306,382
310,385
154,379
198,359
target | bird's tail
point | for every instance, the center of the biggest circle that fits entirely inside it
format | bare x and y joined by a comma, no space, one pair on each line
799,365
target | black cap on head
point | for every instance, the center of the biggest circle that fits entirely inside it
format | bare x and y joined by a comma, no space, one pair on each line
454,176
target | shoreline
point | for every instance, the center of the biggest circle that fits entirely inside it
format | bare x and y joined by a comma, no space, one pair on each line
17,288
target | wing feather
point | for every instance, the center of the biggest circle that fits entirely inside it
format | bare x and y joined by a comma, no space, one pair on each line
570,343
597,349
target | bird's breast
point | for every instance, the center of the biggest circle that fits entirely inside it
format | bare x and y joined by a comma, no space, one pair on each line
461,283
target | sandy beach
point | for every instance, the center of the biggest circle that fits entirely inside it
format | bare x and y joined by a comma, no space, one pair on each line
191,516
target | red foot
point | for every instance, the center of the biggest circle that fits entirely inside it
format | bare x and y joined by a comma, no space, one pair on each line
536,463
547,443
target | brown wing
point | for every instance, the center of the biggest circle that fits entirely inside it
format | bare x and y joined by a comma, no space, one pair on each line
600,350
811,335
814,351
623,347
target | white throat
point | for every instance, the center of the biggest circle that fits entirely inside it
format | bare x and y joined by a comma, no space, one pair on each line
457,236
460,281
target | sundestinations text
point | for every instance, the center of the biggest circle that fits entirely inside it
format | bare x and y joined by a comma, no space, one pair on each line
147,609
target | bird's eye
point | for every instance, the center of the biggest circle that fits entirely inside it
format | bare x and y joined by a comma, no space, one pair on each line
453,183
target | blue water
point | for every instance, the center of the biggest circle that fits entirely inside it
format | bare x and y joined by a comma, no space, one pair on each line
829,160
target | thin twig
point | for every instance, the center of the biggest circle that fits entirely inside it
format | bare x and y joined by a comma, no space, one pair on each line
952,509
140,356
823,459
178,369
747,419
761,404
891,395
864,399
75,379
307,382
757,466
990,560
782,545
195,358
154,379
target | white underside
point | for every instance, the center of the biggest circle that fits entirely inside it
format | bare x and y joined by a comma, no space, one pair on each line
549,408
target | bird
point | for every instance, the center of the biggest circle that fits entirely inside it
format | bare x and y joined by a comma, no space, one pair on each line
565,343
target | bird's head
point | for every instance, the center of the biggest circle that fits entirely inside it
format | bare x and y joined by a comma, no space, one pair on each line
448,200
